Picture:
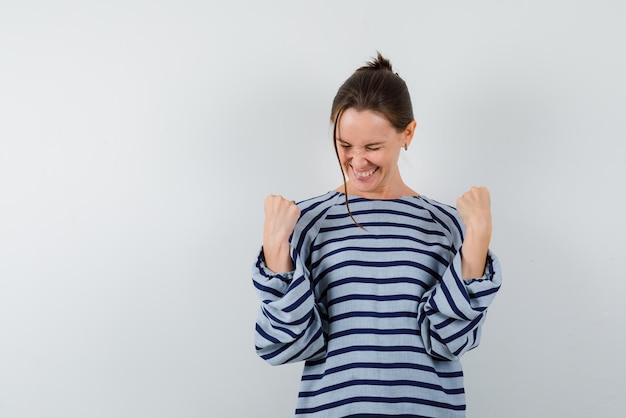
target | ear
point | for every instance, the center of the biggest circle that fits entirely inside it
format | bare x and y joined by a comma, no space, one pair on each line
408,133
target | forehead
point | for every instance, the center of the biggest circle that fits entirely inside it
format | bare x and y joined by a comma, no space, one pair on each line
364,126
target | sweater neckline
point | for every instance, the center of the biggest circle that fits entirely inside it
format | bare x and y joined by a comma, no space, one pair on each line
354,197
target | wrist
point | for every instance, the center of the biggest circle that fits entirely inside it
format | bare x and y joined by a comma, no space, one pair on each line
277,256
474,252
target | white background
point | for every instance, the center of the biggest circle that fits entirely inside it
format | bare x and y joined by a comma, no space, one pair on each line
138,139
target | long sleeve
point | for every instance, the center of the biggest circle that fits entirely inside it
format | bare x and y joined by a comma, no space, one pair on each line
452,312
288,327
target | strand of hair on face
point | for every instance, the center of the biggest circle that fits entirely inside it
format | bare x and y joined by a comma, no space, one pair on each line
343,175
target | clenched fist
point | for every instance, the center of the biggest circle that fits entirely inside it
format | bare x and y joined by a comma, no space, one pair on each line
281,216
474,208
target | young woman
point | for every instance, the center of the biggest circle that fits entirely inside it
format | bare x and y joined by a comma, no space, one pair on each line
380,290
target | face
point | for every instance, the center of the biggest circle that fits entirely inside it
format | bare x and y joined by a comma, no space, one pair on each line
369,147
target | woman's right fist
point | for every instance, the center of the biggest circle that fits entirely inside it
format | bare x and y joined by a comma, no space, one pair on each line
281,216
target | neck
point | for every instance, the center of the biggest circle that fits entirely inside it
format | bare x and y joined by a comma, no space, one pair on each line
395,192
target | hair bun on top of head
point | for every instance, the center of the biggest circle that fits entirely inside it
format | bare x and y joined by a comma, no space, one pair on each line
378,63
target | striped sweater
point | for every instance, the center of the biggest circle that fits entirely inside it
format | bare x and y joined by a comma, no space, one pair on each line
380,315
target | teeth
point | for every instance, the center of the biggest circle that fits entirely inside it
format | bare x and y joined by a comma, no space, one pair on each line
365,174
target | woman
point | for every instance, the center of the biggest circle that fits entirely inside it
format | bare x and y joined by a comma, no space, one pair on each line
380,290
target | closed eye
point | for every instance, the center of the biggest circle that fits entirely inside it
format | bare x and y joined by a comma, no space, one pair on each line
373,147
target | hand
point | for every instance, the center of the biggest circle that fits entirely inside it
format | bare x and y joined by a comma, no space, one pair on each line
281,216
474,208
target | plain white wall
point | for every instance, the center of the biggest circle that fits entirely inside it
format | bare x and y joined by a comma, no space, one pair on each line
138,139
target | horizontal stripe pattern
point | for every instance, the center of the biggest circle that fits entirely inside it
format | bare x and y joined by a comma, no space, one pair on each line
380,315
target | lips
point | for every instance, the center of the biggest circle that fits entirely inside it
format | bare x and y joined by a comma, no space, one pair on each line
364,175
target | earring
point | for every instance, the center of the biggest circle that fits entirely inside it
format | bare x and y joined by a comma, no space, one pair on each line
406,147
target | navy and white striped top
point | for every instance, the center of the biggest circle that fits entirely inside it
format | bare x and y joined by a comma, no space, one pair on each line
381,316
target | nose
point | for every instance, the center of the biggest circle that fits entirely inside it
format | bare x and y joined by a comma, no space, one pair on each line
358,156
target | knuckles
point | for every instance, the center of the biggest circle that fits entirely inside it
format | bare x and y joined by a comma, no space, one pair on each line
476,193
474,204
278,205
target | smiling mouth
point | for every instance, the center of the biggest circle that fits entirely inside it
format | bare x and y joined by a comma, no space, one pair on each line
363,175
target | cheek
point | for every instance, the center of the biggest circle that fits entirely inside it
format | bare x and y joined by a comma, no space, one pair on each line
343,155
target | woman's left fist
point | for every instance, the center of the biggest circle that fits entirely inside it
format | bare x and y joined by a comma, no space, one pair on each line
474,208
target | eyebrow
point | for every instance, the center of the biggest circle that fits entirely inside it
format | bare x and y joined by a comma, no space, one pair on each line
366,145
